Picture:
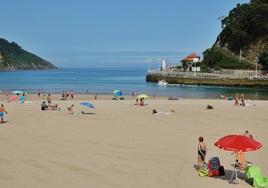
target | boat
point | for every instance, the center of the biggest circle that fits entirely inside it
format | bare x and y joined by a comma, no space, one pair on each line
162,83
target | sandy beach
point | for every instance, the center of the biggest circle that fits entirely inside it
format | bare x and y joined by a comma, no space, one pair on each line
122,145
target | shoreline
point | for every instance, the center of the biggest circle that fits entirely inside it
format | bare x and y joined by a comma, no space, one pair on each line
101,96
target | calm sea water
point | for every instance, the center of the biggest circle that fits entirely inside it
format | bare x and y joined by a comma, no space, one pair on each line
105,80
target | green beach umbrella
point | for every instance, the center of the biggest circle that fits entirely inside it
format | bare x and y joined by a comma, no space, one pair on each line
142,96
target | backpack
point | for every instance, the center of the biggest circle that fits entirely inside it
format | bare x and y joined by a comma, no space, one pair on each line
213,166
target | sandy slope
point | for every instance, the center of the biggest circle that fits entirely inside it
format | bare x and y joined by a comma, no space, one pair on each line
123,145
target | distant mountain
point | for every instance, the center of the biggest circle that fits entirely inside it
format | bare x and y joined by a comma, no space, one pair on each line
13,57
243,38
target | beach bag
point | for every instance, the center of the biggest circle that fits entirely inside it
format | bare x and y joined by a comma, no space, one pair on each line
213,166
203,172
221,171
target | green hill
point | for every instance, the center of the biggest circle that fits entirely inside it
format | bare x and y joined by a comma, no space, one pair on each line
245,35
13,57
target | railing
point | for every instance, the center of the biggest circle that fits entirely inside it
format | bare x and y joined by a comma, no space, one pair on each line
205,75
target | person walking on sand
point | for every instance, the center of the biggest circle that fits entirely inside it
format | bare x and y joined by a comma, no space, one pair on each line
202,150
2,113
70,109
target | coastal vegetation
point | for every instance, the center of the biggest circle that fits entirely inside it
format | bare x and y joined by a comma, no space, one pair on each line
13,57
244,37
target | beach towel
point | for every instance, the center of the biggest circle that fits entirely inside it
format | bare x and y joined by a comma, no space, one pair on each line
254,173
203,172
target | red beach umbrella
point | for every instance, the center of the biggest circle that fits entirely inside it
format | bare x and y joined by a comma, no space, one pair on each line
238,143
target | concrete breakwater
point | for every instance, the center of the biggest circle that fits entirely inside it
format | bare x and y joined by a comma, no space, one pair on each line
190,78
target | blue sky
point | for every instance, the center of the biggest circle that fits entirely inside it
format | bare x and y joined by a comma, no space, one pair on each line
59,29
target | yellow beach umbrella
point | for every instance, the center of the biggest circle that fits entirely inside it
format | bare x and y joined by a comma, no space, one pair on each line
142,96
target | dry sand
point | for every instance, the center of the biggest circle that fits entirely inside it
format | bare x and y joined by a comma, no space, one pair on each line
123,145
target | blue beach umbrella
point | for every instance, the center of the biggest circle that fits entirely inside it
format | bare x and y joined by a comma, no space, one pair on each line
87,104
17,92
118,93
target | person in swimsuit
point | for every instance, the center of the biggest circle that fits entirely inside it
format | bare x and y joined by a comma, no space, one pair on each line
49,100
2,113
236,100
202,150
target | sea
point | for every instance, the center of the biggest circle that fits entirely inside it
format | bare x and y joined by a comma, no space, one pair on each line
103,80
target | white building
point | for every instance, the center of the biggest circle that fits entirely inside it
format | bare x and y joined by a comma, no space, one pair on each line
191,62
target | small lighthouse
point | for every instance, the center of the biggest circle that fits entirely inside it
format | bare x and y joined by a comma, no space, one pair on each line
163,64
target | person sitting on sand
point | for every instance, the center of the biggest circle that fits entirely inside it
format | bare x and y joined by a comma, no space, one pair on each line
22,99
2,113
70,109
242,99
202,151
137,102
141,102
44,106
223,96
63,96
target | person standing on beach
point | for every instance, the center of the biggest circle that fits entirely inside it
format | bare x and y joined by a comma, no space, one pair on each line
236,100
202,150
2,113
49,100
72,94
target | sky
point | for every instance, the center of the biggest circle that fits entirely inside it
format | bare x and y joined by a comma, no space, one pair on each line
82,31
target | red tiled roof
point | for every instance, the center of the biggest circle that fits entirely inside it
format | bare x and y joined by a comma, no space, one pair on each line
190,57
193,55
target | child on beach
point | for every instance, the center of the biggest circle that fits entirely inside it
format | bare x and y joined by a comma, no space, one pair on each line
70,109
2,113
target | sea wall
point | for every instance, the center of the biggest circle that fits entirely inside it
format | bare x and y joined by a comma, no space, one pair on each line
206,80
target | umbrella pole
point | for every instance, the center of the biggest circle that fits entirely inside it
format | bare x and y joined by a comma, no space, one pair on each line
234,175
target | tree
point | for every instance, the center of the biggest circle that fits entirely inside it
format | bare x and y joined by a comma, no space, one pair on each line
263,60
